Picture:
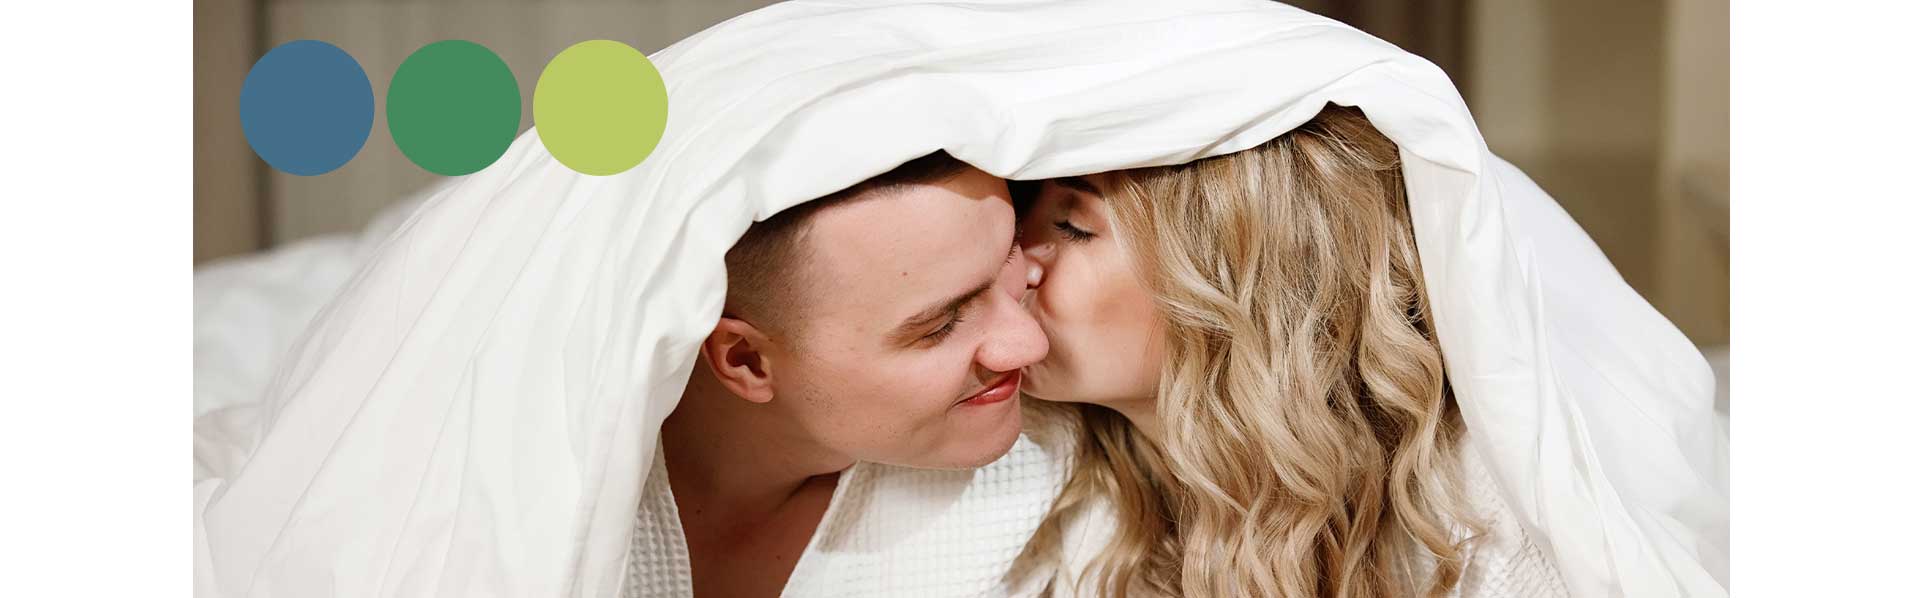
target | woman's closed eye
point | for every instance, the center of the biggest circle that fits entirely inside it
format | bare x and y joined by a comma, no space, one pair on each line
1072,233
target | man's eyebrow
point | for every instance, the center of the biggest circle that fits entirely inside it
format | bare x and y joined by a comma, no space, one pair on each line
1078,184
905,332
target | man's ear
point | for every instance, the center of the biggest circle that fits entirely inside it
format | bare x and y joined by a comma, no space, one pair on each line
736,353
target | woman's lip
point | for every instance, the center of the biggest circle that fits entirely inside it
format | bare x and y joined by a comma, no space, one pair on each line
1002,390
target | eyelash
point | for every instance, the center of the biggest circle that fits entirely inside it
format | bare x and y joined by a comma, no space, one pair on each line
960,316
1074,235
947,330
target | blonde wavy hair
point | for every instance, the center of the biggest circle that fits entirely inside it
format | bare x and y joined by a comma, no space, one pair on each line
1310,439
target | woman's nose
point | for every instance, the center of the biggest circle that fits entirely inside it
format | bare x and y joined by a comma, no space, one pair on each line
1039,255
1039,252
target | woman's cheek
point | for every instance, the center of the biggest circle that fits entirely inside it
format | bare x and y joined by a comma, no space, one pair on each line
1087,315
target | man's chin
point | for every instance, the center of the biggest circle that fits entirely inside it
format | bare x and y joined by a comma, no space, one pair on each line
1005,443
979,449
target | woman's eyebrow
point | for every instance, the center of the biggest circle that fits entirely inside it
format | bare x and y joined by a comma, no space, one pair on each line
1080,184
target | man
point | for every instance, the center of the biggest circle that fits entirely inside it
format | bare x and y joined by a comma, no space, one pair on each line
880,324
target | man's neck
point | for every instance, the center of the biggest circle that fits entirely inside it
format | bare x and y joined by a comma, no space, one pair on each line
738,459
750,485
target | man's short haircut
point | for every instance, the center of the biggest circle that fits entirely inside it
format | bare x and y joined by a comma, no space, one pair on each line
764,268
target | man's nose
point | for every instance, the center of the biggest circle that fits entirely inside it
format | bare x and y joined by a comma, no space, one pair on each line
1015,340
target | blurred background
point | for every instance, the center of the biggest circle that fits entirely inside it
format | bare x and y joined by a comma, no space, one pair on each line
1616,107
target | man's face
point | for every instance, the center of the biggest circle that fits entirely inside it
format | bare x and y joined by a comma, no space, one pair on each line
911,335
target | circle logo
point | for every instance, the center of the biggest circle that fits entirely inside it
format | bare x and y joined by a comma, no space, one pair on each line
600,107
453,107
306,107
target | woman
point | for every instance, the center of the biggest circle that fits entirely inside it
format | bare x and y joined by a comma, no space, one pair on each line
1286,427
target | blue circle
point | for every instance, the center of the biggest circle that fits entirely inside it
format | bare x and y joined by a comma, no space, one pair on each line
306,107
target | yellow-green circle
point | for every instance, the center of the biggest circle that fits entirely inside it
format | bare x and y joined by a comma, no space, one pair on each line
600,107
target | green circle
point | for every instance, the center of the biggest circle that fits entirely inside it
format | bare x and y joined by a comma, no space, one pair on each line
453,107
600,107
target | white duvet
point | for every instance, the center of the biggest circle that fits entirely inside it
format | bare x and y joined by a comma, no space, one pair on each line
477,406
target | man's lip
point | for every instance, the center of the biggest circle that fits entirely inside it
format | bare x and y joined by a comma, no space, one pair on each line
1001,389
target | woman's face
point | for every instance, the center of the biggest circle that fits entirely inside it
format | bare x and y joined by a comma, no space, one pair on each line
1097,314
